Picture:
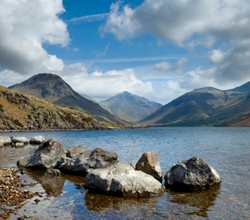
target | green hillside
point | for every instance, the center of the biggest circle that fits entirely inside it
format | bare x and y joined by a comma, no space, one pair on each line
203,107
53,89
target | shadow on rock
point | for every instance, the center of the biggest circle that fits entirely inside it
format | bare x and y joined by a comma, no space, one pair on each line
202,200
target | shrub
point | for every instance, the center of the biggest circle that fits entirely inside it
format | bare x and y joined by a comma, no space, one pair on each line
17,122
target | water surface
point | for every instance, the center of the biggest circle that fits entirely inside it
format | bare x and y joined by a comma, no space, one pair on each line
226,149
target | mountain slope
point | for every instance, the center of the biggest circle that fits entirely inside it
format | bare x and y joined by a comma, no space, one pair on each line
20,112
129,107
206,106
53,89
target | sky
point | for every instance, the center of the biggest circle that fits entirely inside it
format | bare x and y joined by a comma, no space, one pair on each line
158,49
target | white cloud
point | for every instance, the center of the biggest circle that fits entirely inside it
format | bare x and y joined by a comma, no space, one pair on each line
191,23
163,66
100,86
167,65
178,20
121,23
25,26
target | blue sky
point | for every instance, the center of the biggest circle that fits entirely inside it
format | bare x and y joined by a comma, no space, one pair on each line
158,49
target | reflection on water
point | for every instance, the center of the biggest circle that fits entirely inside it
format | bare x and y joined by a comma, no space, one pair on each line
202,200
53,185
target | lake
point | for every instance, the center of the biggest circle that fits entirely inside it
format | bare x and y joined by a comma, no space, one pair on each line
226,149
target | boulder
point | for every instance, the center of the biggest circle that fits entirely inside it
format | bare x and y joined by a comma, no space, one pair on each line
37,140
150,163
74,151
17,139
81,164
49,155
191,175
120,179
5,140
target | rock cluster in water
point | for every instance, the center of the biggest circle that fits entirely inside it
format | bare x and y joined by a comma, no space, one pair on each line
106,175
17,141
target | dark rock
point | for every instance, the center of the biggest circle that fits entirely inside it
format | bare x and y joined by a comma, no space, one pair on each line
74,151
84,162
150,163
120,179
190,175
47,156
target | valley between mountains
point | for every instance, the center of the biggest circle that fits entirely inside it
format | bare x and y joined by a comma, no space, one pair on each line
47,102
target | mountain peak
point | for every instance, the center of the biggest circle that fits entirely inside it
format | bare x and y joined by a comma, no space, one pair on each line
130,107
53,88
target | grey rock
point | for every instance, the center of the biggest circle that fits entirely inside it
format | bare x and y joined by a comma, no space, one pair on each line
17,139
37,140
74,151
47,156
120,179
5,140
190,175
150,163
84,162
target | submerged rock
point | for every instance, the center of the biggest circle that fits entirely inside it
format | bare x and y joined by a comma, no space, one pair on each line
74,151
190,175
120,179
47,156
53,172
37,140
81,164
150,163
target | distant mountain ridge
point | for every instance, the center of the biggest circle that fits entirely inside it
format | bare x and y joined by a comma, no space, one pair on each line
54,89
203,107
130,107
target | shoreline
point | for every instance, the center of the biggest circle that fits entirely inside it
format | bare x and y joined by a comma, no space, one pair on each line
51,130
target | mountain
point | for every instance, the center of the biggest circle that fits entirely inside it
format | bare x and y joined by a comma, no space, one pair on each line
54,89
20,112
129,107
243,121
203,107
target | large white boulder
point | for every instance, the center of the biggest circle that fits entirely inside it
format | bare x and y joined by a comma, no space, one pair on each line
120,179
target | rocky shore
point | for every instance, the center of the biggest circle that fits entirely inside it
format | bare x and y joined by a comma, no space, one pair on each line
12,195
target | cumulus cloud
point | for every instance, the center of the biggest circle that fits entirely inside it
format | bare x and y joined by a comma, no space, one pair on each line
190,24
101,85
25,26
178,20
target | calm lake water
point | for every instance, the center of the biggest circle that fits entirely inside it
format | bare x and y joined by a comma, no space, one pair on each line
226,149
